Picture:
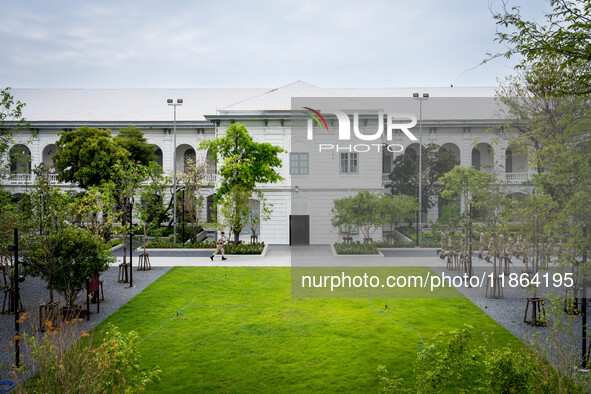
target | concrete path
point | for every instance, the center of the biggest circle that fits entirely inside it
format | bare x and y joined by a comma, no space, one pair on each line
305,256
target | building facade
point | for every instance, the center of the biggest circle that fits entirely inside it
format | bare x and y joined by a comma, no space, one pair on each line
459,120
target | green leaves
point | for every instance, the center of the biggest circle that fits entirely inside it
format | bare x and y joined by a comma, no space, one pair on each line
562,42
245,161
369,211
11,119
405,179
132,140
86,156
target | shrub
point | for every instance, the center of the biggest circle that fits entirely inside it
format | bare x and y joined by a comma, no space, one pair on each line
463,361
75,256
102,361
228,249
355,248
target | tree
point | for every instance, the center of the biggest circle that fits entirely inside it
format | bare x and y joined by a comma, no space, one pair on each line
49,214
399,209
473,190
78,256
11,120
258,211
536,118
246,163
342,217
132,140
86,156
367,213
190,200
404,177
562,42
153,193
235,209
467,185
125,181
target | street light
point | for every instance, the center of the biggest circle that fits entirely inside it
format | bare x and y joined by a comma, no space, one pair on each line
422,98
173,104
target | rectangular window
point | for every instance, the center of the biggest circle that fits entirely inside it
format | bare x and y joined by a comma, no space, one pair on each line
298,163
349,163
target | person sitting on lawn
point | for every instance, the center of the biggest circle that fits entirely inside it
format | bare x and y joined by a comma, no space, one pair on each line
220,246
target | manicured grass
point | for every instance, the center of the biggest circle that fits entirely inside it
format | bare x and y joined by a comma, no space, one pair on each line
244,333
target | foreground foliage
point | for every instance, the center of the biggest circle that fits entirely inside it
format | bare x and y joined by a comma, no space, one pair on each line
462,356
103,361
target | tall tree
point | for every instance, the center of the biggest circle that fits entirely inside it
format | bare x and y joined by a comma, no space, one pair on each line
404,177
86,156
246,163
11,122
562,41
132,140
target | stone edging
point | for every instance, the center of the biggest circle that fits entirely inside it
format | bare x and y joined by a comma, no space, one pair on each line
117,247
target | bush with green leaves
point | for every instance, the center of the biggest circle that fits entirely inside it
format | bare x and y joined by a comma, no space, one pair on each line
168,243
356,248
77,255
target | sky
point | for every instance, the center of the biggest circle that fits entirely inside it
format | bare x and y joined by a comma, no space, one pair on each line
232,43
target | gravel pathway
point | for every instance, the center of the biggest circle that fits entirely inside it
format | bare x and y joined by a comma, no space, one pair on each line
33,292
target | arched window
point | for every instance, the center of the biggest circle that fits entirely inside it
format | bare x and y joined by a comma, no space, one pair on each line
20,159
189,158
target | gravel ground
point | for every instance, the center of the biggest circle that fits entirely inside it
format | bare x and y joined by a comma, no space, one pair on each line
509,312
33,292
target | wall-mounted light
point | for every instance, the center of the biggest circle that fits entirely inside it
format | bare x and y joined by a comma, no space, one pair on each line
296,189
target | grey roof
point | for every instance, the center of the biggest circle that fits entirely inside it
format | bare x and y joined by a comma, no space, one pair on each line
149,105
125,105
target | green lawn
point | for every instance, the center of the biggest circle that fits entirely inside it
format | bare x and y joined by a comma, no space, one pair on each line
244,332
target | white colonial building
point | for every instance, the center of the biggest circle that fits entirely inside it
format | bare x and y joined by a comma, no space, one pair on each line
457,119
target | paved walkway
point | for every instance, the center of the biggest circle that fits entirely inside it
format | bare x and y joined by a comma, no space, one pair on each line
308,256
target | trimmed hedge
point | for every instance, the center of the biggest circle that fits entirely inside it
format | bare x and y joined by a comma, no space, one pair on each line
228,249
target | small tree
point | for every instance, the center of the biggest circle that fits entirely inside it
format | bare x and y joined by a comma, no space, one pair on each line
49,207
125,182
78,255
367,211
342,217
234,208
153,194
246,163
259,211
399,209
191,202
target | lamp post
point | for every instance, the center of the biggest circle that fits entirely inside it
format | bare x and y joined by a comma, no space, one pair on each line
425,96
174,105
130,244
16,279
